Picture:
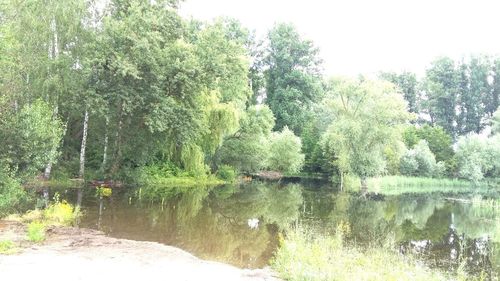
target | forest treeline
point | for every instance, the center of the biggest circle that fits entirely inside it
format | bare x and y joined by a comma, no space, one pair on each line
133,88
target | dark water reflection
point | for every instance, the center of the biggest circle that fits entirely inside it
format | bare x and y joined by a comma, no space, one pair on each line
241,224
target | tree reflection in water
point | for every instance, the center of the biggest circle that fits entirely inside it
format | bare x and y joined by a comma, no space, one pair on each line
212,223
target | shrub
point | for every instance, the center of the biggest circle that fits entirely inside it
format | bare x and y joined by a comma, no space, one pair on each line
7,247
226,173
308,256
408,165
36,232
245,153
61,213
11,194
420,161
438,140
285,152
478,157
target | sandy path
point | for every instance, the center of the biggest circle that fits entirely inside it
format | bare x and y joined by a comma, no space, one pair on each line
82,254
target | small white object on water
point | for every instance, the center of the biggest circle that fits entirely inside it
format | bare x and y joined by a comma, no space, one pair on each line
253,223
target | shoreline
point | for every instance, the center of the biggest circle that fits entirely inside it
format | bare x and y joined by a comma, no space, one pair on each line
85,254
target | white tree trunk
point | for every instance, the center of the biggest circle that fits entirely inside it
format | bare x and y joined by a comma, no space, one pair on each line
48,167
84,144
105,152
53,53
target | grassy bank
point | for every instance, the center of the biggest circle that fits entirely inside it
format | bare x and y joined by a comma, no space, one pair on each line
392,185
184,181
307,256
58,213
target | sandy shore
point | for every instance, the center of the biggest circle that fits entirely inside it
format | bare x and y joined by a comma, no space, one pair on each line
82,254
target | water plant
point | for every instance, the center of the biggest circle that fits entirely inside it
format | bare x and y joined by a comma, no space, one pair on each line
60,213
391,185
104,191
306,255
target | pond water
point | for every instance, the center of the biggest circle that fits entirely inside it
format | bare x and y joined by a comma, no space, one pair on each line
240,224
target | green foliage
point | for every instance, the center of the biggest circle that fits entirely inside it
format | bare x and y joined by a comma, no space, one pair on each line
104,191
246,153
495,122
420,161
292,76
368,116
438,140
407,84
316,160
60,213
248,149
12,195
227,173
478,157
30,138
193,160
304,255
7,247
459,95
36,232
167,175
393,154
285,152
258,120
441,86
408,164
395,185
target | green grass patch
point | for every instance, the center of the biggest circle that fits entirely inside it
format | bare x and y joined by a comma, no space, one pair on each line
181,181
36,232
7,247
393,185
305,255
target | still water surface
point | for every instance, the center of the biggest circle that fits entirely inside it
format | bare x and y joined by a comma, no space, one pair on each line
240,224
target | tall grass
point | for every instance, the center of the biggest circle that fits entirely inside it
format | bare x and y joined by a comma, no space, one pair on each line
304,255
392,185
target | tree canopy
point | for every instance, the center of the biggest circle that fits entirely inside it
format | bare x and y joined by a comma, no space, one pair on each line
369,115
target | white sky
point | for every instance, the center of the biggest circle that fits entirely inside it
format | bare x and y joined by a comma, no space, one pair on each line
365,36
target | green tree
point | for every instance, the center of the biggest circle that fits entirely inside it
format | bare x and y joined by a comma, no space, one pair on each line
407,85
438,140
491,101
30,138
292,76
441,89
420,161
368,116
248,149
473,88
46,41
173,90
478,157
495,122
285,152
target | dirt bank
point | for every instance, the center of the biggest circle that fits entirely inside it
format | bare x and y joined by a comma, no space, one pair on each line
83,254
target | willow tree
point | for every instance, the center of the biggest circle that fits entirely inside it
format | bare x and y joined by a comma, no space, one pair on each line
367,116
